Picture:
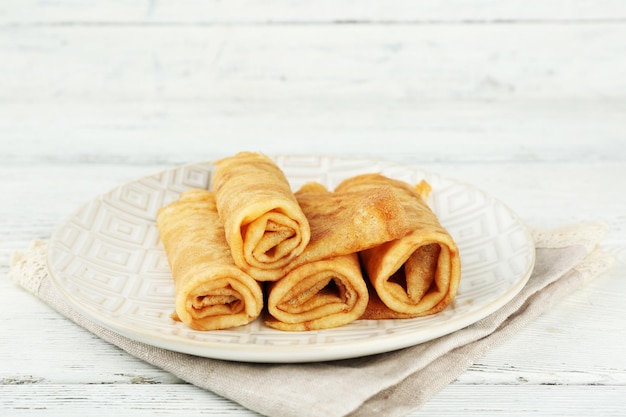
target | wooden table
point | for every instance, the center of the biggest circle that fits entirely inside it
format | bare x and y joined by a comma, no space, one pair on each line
525,100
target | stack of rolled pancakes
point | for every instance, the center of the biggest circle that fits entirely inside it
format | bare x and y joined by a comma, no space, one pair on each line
314,259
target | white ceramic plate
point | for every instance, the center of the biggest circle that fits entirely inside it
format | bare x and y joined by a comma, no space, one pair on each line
108,261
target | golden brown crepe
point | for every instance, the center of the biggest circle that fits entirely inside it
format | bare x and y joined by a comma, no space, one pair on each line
417,274
327,291
347,223
318,295
264,225
211,291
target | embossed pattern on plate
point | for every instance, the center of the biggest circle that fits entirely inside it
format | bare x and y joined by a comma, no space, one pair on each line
108,261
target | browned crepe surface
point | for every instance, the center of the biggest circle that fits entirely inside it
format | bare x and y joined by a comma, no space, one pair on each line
347,223
211,292
417,274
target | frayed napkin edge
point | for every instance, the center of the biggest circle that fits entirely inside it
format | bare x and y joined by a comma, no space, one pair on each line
27,270
587,234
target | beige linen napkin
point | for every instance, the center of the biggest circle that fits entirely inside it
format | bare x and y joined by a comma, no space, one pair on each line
391,384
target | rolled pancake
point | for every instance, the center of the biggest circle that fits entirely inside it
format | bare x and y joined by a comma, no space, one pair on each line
417,274
263,223
320,294
211,292
347,223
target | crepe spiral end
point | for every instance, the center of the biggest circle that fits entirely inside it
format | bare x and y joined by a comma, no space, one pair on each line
264,225
318,295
